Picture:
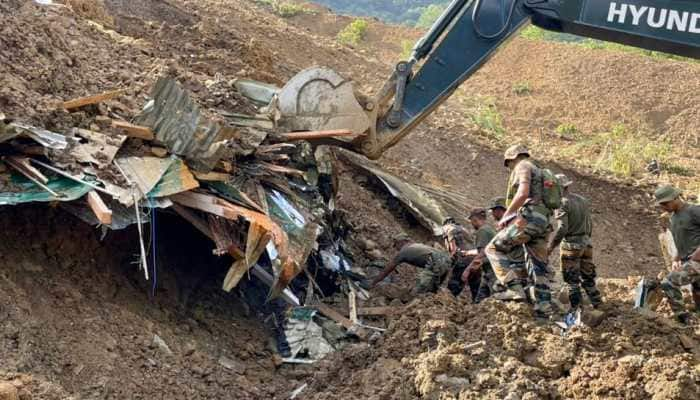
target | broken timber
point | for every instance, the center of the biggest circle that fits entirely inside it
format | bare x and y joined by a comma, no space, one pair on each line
212,176
310,135
377,311
135,131
99,208
84,101
337,317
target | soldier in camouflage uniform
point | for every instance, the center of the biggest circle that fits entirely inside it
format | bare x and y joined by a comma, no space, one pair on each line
433,264
482,237
523,228
685,228
576,250
497,206
458,245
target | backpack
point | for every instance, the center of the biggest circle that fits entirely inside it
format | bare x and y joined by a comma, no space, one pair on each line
552,191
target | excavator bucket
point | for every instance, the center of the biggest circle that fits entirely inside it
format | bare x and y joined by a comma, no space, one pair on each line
318,99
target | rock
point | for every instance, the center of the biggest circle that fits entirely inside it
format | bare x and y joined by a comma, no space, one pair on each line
634,360
592,318
8,391
160,344
232,365
159,151
367,244
452,380
375,254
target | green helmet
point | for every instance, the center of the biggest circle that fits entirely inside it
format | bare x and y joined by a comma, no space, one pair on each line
497,202
513,152
666,193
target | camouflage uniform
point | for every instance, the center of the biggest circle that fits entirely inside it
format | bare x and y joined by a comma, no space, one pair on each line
685,227
576,250
484,235
456,234
506,252
432,273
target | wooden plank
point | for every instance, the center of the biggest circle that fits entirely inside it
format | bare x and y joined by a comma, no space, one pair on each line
39,180
135,131
197,222
377,311
23,164
352,305
84,101
99,208
334,315
310,135
281,169
212,176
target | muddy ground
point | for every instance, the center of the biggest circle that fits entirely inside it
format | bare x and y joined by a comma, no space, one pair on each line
78,320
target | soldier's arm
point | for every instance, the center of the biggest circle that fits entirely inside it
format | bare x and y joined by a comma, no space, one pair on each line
562,216
387,270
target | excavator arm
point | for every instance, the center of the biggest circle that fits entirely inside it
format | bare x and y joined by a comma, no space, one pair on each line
469,32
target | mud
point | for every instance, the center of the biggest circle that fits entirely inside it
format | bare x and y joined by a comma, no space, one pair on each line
78,320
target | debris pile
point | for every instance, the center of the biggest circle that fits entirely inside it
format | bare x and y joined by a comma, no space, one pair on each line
440,347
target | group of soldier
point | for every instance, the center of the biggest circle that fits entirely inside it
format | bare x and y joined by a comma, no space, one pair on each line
510,262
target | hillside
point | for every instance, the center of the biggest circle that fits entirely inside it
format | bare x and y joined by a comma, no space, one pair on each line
79,321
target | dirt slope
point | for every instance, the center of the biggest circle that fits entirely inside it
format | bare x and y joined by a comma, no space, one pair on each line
78,320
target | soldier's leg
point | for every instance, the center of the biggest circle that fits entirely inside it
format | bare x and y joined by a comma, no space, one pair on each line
430,277
537,249
671,285
486,286
571,273
474,283
588,275
507,258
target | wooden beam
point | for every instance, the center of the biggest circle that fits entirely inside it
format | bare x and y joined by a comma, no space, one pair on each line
23,165
377,310
99,208
352,305
194,220
84,101
310,135
334,315
135,131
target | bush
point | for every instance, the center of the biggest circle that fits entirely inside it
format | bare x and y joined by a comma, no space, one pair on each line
406,49
486,116
354,33
566,130
429,15
285,9
522,88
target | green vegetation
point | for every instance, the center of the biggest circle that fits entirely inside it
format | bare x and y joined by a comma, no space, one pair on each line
354,33
429,15
620,151
522,88
407,12
486,116
406,49
567,130
285,9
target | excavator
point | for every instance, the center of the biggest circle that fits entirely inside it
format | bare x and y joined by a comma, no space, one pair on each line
462,39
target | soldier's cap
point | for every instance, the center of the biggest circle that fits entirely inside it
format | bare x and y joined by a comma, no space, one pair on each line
497,202
564,180
666,193
513,152
477,212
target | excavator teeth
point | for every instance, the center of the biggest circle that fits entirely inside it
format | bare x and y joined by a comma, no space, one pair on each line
318,99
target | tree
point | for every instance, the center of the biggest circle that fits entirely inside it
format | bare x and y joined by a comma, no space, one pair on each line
429,15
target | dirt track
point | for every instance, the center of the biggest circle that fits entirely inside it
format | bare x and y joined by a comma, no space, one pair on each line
78,321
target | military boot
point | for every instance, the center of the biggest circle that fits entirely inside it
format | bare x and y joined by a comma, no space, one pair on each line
514,292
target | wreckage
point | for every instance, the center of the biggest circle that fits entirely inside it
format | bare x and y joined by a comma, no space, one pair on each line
260,189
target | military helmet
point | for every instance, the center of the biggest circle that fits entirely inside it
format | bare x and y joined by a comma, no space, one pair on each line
564,180
666,193
513,152
497,202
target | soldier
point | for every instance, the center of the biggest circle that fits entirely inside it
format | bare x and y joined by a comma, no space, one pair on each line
482,237
434,265
576,250
524,227
685,228
457,243
497,206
